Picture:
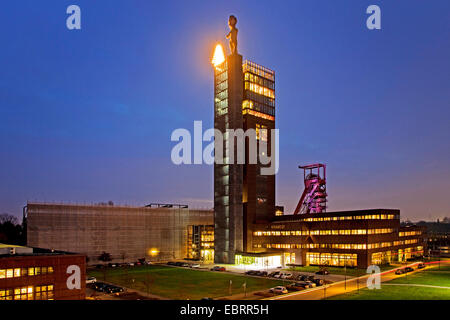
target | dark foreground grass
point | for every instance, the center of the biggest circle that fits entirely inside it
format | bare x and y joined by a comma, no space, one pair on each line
390,291
181,283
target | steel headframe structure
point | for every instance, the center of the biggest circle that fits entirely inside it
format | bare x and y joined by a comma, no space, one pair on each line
314,197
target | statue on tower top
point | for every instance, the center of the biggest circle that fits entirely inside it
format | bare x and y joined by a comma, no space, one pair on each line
232,35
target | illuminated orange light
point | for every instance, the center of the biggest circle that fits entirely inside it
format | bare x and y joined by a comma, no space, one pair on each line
153,252
258,114
219,56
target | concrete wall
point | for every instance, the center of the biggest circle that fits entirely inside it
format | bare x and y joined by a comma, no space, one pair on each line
127,233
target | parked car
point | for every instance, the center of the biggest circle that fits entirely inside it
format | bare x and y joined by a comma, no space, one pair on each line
318,282
185,265
279,290
323,272
295,286
306,284
251,272
409,269
131,264
217,268
421,265
195,265
91,280
399,271
278,275
100,286
262,273
286,276
113,289
302,277
171,263
179,264
273,274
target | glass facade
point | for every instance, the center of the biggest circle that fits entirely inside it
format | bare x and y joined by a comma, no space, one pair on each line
332,259
259,91
201,242
259,262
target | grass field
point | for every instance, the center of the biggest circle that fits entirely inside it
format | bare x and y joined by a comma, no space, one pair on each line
181,283
390,291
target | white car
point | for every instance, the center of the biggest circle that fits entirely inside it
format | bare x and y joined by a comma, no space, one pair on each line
286,275
278,275
195,265
279,290
91,280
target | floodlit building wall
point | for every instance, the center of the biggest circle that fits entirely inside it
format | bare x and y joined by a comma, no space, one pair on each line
126,233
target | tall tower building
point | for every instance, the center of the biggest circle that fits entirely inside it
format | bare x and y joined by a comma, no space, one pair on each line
244,98
228,177
258,109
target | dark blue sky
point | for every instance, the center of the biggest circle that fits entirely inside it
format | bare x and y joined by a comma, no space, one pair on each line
86,116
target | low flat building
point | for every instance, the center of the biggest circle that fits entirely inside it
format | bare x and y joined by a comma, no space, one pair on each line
348,238
39,274
156,233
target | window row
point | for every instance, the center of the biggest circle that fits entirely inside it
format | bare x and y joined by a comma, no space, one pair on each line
362,217
331,259
353,246
23,272
258,114
259,80
28,293
258,70
324,232
410,233
249,104
263,91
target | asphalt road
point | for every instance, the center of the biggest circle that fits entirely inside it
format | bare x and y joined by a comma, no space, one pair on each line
342,287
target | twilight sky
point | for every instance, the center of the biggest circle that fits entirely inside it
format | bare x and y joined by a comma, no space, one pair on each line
86,116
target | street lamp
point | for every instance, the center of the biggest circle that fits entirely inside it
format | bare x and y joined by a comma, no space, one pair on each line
345,274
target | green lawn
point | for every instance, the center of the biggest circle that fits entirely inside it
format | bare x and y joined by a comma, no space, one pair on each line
181,283
431,276
352,272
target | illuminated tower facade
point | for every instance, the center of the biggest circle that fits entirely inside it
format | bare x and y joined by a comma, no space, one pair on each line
258,109
244,98
228,177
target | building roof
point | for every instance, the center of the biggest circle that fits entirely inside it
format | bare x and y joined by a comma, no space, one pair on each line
300,217
20,251
2,245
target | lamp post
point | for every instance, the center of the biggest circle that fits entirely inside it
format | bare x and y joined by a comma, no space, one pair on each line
345,275
357,284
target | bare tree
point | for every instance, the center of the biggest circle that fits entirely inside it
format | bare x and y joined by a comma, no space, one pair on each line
8,218
11,231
